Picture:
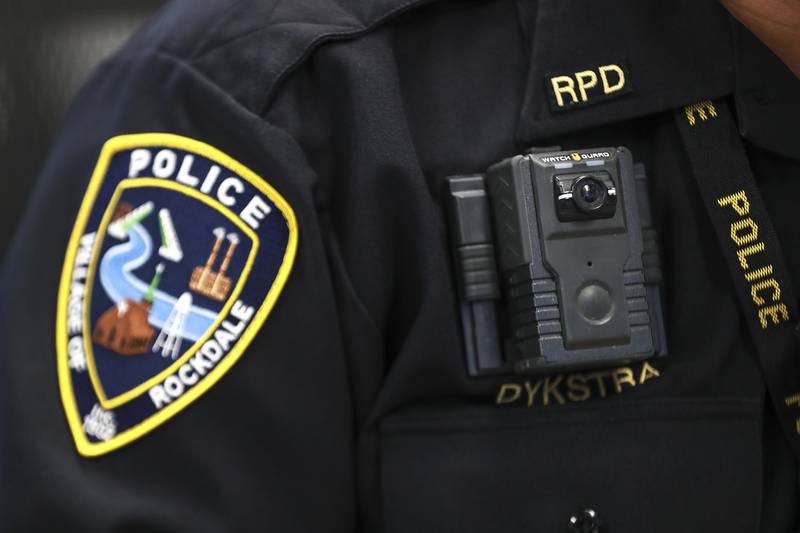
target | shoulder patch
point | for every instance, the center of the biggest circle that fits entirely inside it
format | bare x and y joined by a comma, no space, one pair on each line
176,259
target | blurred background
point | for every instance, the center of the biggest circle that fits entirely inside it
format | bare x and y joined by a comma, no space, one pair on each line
47,50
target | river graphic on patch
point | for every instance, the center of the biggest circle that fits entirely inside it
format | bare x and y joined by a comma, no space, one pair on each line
162,281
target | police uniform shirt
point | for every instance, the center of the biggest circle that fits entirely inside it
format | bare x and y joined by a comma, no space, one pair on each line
350,409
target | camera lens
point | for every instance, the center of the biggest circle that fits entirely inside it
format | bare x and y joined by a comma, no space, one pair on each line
589,194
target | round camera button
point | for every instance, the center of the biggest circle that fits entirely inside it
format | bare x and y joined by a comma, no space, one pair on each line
595,304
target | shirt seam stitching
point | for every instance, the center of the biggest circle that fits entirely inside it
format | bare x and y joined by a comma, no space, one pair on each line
353,33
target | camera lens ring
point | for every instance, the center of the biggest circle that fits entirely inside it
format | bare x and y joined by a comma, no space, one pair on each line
589,194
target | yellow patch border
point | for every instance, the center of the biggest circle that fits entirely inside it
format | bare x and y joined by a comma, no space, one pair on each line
167,140
110,403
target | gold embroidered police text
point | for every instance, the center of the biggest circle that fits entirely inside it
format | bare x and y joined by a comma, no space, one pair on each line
702,110
794,401
765,290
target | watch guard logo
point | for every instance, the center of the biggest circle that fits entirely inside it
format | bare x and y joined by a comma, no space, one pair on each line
177,257
575,157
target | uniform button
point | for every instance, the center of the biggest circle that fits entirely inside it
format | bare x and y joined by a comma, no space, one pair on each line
587,521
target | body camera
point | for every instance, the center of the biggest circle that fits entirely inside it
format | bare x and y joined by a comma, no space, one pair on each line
558,263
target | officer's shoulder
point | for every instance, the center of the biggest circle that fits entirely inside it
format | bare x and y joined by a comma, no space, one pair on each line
262,42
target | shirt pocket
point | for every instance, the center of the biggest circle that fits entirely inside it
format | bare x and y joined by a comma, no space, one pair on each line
658,465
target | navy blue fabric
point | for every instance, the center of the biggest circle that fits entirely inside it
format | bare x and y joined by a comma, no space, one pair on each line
351,409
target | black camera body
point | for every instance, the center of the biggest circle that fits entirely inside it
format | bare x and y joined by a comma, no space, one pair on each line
557,263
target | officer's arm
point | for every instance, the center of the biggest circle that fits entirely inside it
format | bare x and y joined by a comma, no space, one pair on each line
170,338
776,22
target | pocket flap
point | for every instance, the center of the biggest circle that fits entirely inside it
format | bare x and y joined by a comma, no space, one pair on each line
666,465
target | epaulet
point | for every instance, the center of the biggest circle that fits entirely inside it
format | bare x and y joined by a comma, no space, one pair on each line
247,47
